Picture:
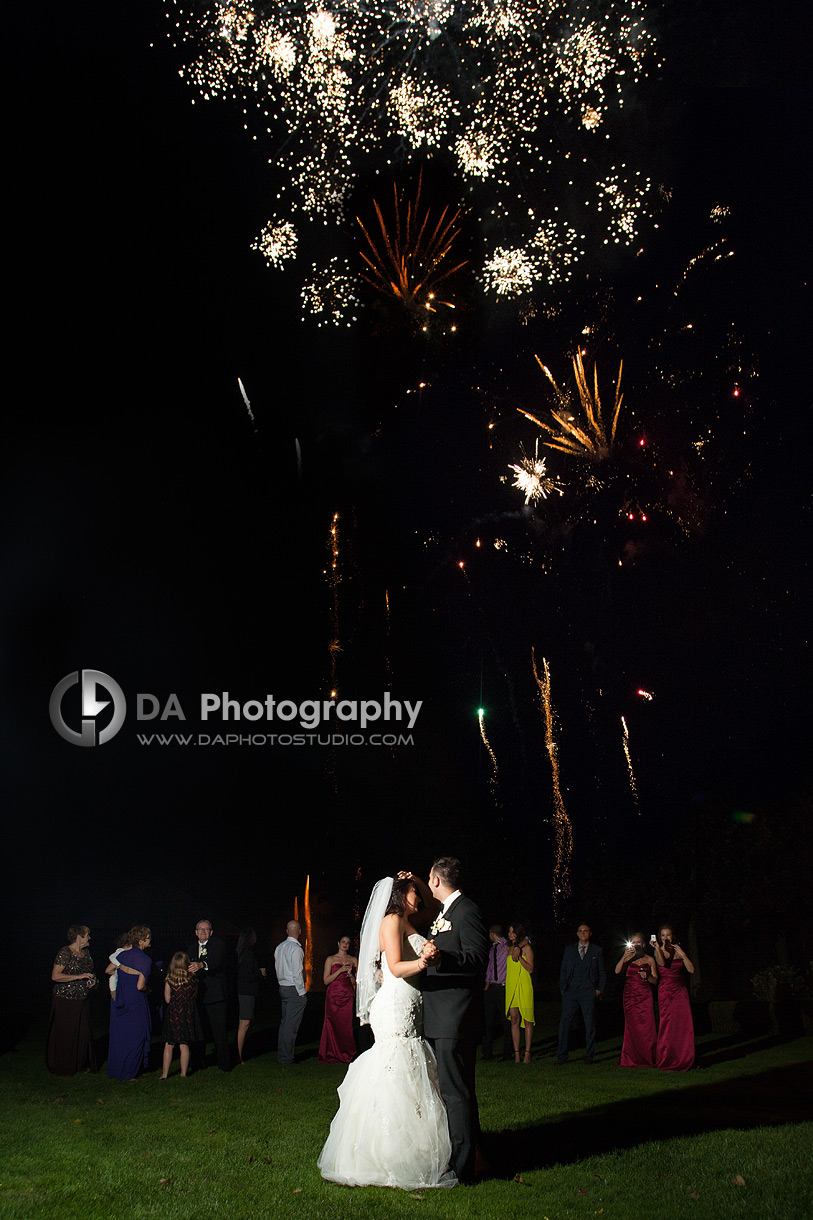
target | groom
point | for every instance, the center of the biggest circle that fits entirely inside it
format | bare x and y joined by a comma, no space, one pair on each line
452,987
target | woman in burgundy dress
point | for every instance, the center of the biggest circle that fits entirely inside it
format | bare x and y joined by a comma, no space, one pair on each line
182,1024
337,1044
675,1049
639,1010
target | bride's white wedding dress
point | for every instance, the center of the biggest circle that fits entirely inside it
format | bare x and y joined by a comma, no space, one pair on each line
391,1129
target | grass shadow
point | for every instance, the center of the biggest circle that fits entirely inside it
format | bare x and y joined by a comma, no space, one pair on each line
776,1096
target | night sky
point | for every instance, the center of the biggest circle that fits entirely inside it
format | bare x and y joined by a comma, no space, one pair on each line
149,530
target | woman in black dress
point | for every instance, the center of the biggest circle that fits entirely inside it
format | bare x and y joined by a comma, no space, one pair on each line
181,1021
248,985
70,1038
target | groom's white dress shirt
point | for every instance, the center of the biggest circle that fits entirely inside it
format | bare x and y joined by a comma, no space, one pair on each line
447,902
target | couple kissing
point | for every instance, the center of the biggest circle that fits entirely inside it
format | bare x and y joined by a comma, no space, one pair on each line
408,1108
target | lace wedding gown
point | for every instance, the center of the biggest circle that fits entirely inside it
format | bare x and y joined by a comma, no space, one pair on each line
391,1129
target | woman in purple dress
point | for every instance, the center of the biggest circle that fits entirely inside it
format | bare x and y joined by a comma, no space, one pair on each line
130,1023
337,1044
675,1049
639,1010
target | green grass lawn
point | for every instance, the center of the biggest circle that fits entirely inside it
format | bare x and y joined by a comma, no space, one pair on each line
732,1140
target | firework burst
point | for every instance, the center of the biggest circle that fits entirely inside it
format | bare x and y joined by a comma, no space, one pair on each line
329,295
591,438
412,259
520,99
532,478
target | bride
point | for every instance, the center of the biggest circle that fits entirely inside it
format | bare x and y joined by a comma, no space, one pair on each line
391,1129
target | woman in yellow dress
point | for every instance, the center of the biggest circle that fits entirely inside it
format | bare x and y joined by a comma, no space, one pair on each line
519,989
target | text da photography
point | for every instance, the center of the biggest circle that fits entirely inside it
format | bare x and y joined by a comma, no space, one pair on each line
308,713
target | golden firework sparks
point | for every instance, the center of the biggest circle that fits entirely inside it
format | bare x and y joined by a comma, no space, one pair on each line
563,829
626,743
334,87
591,438
412,259
493,779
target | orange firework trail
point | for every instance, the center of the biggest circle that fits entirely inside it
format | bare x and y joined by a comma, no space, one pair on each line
357,898
389,666
561,822
626,742
308,935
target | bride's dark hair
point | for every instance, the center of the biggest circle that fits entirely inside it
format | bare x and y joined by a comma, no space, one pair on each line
400,888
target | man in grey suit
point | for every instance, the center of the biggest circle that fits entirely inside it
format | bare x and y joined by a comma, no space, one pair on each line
581,982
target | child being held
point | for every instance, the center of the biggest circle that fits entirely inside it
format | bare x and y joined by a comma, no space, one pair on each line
124,943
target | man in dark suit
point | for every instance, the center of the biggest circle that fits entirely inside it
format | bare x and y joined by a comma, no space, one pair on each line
452,1010
207,965
581,982
494,995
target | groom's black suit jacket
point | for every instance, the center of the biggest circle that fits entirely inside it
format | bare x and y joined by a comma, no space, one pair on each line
452,987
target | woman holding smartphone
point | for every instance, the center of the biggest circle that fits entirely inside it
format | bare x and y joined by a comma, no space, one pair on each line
675,1048
641,977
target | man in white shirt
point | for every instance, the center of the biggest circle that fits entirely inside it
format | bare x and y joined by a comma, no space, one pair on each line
289,962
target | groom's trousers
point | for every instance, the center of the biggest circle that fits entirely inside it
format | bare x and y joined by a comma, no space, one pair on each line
456,1067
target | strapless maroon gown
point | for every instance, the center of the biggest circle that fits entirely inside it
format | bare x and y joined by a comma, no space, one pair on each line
675,1050
639,1021
337,1044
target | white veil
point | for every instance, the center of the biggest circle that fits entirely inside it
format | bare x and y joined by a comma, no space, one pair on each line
368,975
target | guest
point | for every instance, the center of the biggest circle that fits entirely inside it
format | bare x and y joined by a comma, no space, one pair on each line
113,975
581,982
641,979
248,985
182,1026
675,1049
289,961
70,1039
494,995
130,1024
337,1044
519,989
207,962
